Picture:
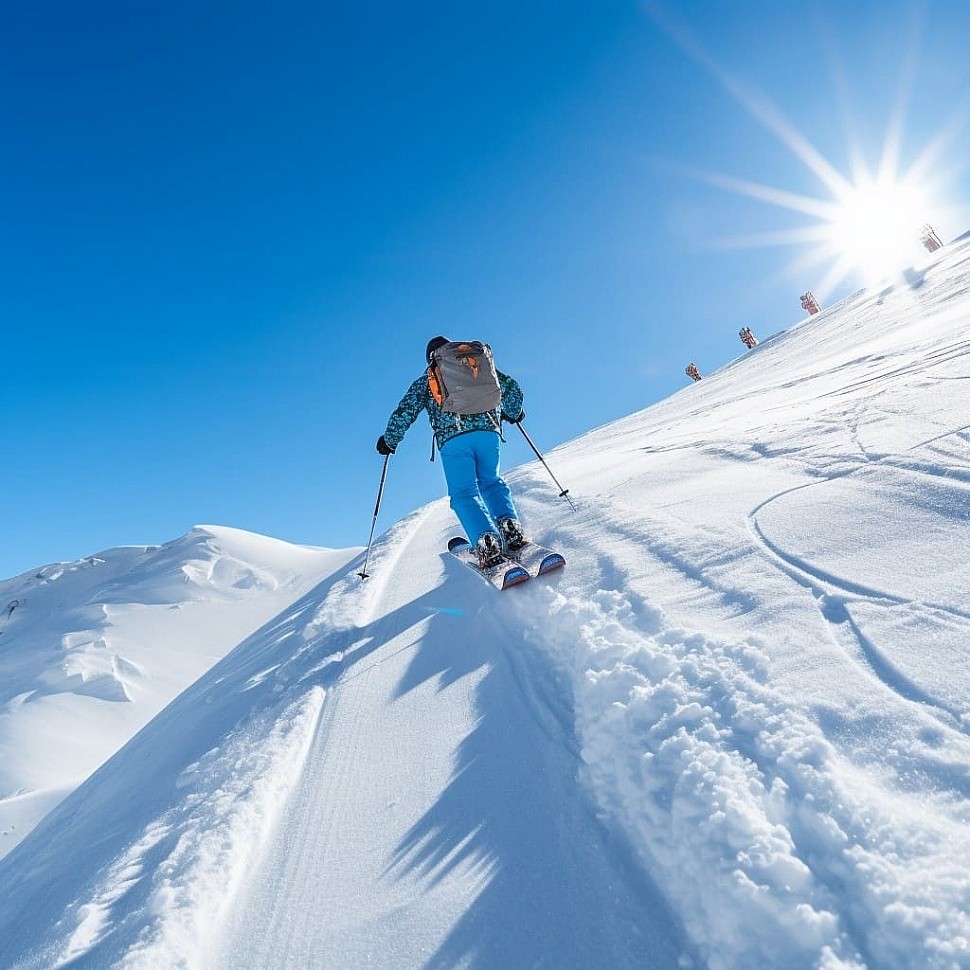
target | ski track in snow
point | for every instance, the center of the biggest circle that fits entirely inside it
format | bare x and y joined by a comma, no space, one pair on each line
737,798
472,876
836,596
187,864
695,784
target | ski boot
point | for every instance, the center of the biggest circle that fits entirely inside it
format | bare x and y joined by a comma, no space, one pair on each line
512,534
489,549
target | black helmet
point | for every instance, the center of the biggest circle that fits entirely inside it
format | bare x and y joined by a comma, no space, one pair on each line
433,344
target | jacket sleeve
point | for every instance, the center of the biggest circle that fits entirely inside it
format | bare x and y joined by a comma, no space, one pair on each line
512,396
406,413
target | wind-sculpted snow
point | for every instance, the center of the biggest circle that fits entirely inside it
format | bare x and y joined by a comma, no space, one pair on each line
733,733
132,627
151,850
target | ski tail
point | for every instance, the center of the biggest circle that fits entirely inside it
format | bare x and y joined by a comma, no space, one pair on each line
538,559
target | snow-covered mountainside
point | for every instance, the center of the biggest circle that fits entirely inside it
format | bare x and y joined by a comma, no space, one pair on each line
90,651
733,733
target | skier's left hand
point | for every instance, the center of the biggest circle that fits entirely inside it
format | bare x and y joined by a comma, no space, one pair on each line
511,420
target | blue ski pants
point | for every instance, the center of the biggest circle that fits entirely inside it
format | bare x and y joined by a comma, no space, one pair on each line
479,495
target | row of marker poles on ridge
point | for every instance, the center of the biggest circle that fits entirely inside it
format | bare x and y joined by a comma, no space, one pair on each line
927,237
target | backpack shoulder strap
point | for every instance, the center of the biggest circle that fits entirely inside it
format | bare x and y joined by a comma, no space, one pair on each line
434,382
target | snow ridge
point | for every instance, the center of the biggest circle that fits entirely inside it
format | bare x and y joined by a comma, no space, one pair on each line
91,650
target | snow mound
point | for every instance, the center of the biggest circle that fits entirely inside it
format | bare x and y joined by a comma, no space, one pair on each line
91,650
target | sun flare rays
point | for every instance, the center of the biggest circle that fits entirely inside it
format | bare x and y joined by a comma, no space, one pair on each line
865,224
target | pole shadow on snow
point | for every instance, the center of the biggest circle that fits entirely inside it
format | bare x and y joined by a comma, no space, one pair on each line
558,890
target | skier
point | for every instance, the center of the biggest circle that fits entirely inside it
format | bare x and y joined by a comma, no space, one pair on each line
469,447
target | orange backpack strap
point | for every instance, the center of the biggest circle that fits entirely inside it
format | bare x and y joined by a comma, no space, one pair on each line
434,384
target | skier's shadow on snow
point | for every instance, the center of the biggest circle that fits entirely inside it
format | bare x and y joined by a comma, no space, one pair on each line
549,887
553,889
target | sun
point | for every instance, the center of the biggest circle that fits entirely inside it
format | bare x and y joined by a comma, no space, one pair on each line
866,223
866,226
874,226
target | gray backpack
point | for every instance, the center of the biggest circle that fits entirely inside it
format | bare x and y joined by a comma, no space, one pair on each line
462,377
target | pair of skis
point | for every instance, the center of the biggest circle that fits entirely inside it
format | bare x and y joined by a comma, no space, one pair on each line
527,562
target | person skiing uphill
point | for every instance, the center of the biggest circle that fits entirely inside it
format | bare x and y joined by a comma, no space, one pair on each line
469,448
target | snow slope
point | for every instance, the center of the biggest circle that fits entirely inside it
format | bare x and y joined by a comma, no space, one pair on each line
90,651
733,733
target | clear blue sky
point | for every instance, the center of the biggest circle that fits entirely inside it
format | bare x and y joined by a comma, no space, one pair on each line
228,230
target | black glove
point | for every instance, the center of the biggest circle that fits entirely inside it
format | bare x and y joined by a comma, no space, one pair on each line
383,448
521,417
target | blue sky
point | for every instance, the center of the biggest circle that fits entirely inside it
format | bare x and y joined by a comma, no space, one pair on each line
229,230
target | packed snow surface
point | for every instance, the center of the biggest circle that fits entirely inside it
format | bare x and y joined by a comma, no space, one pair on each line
733,733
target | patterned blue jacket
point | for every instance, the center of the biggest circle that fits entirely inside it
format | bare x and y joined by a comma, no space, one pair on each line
445,424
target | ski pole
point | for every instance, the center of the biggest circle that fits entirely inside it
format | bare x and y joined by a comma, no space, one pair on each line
377,508
563,492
